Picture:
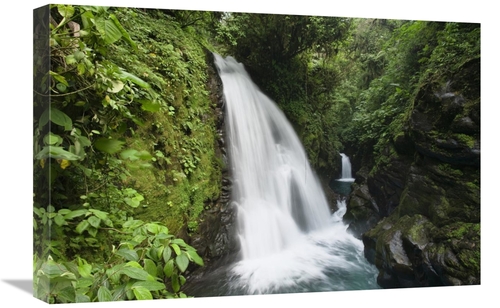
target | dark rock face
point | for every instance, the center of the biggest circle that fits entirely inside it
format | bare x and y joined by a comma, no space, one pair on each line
363,212
215,238
387,185
411,251
418,209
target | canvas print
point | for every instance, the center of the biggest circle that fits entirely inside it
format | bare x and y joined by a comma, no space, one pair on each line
183,153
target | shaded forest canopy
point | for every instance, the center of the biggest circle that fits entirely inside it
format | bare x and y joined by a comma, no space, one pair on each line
127,154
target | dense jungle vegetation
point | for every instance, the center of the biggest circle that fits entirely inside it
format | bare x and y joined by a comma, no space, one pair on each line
125,138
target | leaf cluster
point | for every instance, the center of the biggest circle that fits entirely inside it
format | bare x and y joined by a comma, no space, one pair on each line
148,264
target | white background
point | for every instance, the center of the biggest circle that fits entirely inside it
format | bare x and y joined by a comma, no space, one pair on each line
16,151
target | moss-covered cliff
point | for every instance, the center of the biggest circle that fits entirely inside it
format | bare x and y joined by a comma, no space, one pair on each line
424,186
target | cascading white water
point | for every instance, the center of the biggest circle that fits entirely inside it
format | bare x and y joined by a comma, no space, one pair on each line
290,242
346,169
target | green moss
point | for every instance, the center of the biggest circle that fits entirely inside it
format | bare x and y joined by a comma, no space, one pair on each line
465,139
447,169
472,186
184,173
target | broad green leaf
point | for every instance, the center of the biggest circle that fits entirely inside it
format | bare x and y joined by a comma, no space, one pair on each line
129,154
150,267
164,234
129,255
150,106
59,220
64,211
182,280
92,231
110,146
74,214
82,298
82,226
176,249
64,277
81,68
141,293
132,78
57,153
117,86
84,141
108,30
94,221
100,214
135,273
167,253
85,270
134,264
159,253
175,283
153,228
59,78
168,269
193,256
132,202
114,273
79,55
60,118
52,139
150,285
52,268
87,19
84,282
182,261
104,295
108,222
133,224
179,241
144,155
65,291
124,32
66,11
139,238
70,60
153,253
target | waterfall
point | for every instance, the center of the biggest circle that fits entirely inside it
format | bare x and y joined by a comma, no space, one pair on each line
290,241
346,169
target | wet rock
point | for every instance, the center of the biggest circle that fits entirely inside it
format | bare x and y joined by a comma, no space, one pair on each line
362,211
215,238
387,182
464,125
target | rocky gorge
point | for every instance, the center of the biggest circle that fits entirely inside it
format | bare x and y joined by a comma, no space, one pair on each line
418,209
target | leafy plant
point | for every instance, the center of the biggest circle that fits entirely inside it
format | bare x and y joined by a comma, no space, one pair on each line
149,264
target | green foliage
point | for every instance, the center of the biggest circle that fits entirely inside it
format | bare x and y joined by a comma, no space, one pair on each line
109,124
149,263
414,52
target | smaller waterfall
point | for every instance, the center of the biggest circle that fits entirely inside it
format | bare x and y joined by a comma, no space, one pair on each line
346,169
342,185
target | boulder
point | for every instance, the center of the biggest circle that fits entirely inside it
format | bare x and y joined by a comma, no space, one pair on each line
412,252
362,211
